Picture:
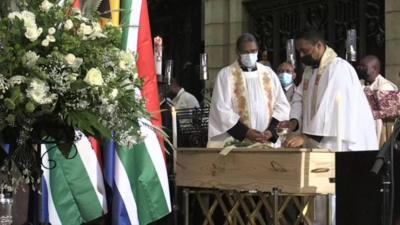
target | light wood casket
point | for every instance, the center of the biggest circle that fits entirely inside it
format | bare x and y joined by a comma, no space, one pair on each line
298,171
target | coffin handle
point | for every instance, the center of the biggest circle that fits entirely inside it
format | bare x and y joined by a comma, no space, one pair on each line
277,167
320,170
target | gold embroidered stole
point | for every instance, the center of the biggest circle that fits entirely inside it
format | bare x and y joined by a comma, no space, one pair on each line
326,60
241,92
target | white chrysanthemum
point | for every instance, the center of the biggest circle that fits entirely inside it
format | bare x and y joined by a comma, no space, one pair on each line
33,33
126,60
68,25
16,80
52,30
3,84
46,6
38,91
30,58
94,77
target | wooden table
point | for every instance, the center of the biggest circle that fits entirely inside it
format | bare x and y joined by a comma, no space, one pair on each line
254,184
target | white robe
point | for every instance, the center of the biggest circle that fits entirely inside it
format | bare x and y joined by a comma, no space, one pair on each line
224,113
359,127
381,84
185,100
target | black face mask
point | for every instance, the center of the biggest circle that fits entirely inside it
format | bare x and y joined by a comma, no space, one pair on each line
308,60
362,73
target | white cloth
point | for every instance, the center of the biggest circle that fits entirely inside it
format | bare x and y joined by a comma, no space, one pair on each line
185,100
224,113
359,126
381,84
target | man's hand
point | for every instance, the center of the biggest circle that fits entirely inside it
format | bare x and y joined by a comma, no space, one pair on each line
268,135
291,124
295,141
256,136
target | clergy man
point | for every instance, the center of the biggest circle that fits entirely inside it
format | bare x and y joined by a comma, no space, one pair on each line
287,75
370,71
248,101
327,76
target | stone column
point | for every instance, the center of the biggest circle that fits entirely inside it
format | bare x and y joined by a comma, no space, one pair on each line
392,27
224,21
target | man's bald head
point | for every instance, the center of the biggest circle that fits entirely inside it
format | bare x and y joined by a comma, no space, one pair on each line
287,67
373,66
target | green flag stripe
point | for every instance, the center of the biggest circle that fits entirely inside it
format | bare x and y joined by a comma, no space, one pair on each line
126,13
145,183
73,194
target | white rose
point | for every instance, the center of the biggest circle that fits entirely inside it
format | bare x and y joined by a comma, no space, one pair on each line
70,58
33,33
73,61
26,15
85,29
30,24
68,25
51,38
45,43
52,30
30,58
93,77
46,6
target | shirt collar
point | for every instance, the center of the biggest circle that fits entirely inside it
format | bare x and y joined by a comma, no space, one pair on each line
245,69
288,87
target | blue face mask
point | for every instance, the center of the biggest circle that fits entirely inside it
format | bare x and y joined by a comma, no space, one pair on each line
286,79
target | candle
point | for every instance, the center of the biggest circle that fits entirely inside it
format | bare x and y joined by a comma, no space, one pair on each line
203,66
158,56
168,71
290,52
351,45
174,128
339,125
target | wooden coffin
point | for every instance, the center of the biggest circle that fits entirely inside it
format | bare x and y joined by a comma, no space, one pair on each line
297,171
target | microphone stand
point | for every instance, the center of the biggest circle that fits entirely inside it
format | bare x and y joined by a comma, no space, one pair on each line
384,165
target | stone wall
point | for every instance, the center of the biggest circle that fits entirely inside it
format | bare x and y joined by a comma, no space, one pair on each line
392,31
224,22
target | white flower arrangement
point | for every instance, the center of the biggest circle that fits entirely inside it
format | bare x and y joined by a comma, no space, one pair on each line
58,67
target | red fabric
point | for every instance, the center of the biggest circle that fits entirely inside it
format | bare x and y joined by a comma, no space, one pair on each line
384,104
146,68
97,149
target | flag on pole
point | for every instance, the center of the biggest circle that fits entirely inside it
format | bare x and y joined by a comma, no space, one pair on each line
138,177
137,38
72,188
115,11
77,4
